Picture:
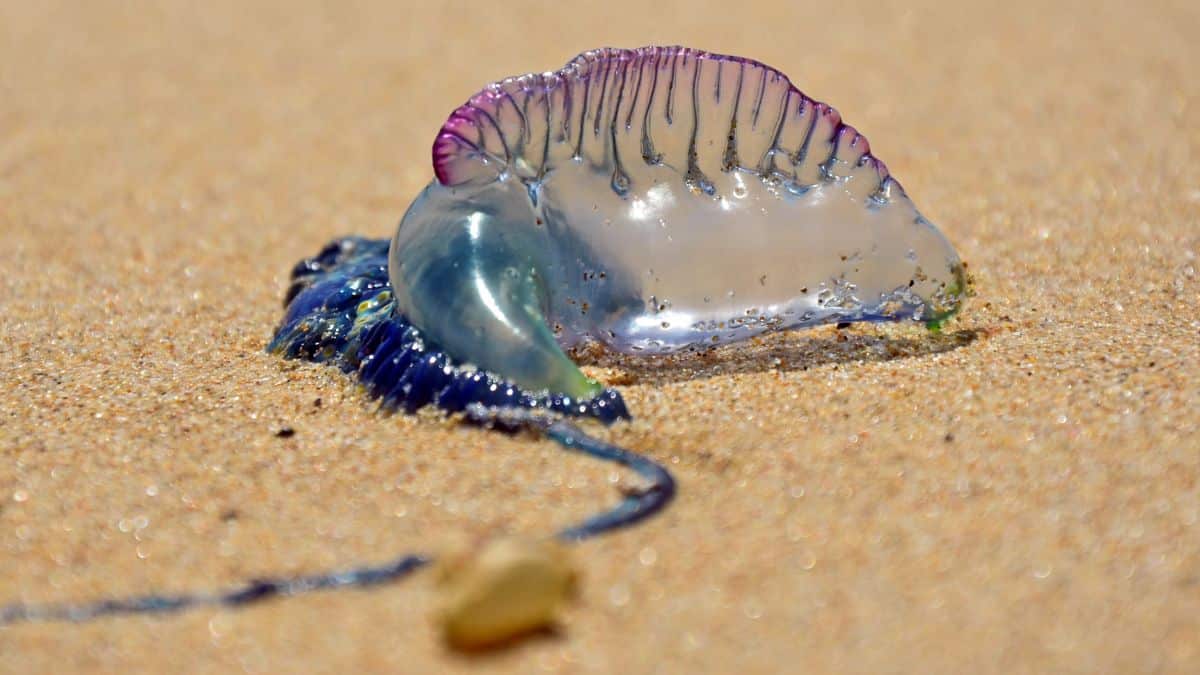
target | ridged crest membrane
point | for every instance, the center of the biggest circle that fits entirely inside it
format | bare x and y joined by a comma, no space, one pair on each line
624,109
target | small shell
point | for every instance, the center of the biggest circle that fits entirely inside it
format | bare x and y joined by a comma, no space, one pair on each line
502,589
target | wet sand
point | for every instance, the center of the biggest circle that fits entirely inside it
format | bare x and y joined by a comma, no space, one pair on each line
1019,494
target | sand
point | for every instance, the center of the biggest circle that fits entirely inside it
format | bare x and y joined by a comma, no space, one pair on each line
1019,494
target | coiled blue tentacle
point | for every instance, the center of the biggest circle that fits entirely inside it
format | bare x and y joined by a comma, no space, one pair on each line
340,310
638,504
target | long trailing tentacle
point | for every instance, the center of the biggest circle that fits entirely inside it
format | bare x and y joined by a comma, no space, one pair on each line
636,507
251,592
340,312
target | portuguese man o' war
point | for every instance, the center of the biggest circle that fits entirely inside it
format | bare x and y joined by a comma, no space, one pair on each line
650,200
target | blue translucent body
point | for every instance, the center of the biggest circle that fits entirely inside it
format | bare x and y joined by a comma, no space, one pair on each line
655,200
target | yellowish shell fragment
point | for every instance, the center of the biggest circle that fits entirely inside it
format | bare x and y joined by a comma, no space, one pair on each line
502,589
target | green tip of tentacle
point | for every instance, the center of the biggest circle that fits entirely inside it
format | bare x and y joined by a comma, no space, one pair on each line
950,300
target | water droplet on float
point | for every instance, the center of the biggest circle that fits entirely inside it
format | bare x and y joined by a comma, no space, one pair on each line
20,496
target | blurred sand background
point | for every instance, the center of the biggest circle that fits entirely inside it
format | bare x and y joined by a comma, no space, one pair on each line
1018,495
